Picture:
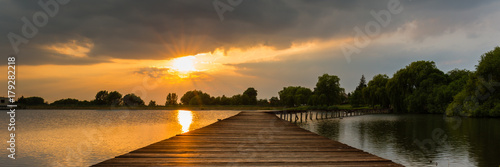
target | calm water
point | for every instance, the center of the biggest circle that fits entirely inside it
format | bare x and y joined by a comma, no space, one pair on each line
85,137
415,140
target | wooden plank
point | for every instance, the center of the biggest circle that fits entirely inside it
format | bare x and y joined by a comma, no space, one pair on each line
248,139
244,159
275,164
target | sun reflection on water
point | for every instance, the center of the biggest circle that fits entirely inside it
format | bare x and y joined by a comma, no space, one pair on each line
185,118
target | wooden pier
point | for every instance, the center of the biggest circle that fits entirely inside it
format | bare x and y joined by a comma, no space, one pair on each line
298,116
248,139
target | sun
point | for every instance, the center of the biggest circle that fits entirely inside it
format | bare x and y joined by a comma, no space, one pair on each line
184,64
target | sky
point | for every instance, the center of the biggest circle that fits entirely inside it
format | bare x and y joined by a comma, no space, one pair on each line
73,49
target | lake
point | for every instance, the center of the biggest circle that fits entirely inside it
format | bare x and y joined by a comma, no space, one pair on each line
86,137
418,140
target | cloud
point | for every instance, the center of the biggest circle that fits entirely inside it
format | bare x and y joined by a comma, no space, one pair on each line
173,75
168,29
153,72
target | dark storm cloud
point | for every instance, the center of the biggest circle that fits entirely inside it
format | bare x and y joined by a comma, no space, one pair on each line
165,29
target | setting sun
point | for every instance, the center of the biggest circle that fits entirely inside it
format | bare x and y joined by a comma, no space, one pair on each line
184,64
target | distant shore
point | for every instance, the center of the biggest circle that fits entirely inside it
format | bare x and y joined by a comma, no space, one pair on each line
180,107
186,107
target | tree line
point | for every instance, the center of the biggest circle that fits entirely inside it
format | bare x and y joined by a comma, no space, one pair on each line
114,98
327,92
420,87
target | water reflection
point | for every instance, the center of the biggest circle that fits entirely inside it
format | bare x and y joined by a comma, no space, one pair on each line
412,140
86,137
185,118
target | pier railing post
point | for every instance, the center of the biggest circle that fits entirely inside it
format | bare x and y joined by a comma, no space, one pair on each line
300,116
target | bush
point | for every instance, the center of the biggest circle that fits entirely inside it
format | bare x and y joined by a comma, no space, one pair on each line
495,112
330,108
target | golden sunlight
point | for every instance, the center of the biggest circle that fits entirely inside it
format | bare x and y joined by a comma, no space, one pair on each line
72,48
184,64
185,118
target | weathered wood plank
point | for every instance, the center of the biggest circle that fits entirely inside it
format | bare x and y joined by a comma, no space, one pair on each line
248,139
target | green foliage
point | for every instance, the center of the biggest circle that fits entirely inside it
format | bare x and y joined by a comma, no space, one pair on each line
263,102
328,90
67,101
236,100
357,97
251,93
321,107
113,98
295,96
171,99
195,97
245,100
442,95
224,100
31,101
488,67
376,93
104,97
100,97
152,103
132,100
480,96
313,100
330,108
410,87
249,97
495,112
274,101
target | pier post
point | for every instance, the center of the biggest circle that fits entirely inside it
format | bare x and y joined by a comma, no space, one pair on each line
296,116
300,116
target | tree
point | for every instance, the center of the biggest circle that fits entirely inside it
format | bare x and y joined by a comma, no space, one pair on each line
132,100
313,100
152,103
224,100
480,96
31,101
362,83
113,98
195,97
100,97
245,100
411,87
263,102
294,96
329,86
442,95
375,93
171,99
236,100
252,95
274,101
323,99
357,97
67,101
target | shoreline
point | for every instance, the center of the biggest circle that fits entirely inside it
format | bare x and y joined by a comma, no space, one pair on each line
152,108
